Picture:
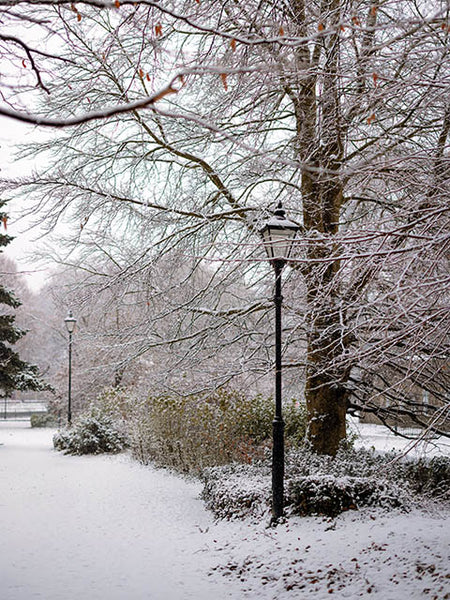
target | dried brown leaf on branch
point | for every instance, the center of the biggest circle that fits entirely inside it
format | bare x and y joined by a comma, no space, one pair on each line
224,78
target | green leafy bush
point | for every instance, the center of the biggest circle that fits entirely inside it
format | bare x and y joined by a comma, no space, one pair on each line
42,420
93,433
116,403
195,432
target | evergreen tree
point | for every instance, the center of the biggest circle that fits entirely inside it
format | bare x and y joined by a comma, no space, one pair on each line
15,374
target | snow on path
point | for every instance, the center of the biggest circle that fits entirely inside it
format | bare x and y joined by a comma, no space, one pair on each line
97,527
106,528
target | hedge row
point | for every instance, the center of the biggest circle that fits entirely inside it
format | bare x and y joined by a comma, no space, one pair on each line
321,485
186,433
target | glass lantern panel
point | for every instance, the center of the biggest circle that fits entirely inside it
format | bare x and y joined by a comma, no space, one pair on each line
70,322
267,242
281,240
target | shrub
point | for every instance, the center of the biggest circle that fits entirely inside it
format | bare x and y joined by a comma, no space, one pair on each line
428,476
324,485
234,491
116,403
329,495
93,433
42,420
195,432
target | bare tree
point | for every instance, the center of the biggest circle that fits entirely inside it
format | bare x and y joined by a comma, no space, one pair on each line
337,108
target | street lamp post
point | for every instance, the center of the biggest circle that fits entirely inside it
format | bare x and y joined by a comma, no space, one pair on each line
278,234
70,322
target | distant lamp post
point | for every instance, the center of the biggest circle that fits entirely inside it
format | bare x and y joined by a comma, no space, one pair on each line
278,234
70,322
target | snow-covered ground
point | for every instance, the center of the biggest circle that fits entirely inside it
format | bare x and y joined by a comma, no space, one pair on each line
101,527
383,440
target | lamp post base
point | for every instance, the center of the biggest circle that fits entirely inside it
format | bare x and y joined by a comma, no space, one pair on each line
278,469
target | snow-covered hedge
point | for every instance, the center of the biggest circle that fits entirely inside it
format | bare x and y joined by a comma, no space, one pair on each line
234,491
93,433
244,491
329,495
327,486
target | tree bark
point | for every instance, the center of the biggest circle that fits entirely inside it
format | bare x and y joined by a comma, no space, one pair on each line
326,405
320,148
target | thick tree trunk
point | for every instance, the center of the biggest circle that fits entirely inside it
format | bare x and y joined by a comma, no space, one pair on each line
319,147
326,405
325,390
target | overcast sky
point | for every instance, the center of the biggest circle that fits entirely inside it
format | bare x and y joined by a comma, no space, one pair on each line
21,248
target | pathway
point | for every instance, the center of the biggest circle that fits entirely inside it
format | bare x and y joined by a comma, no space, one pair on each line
98,527
106,528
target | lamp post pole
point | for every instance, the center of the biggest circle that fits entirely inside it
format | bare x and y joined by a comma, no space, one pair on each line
69,402
70,322
278,234
278,423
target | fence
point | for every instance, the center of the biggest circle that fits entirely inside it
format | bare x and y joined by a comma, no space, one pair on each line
20,410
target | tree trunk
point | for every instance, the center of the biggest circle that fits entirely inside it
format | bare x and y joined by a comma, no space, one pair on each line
319,147
325,390
326,405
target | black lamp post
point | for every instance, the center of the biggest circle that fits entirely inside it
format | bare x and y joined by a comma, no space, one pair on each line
70,322
278,234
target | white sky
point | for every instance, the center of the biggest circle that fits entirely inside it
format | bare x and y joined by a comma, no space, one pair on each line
22,248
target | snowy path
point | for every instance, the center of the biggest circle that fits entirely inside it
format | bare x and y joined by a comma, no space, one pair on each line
105,528
97,527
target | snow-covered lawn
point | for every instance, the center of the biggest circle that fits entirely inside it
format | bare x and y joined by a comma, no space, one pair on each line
383,440
101,527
